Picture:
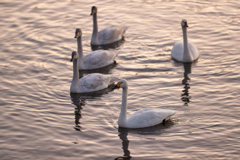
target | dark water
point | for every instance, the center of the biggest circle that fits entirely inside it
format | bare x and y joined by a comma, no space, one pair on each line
41,120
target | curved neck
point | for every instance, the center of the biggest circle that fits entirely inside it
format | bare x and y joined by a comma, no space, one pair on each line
80,52
75,72
95,30
123,114
186,52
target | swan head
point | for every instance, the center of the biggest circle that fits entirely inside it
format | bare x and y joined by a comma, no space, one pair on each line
94,10
74,56
78,33
122,83
184,23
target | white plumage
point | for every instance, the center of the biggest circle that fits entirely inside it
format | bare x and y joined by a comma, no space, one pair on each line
95,59
143,118
89,83
106,35
177,52
98,59
148,117
184,51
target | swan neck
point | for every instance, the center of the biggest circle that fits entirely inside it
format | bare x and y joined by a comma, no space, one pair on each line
186,52
80,52
75,72
95,30
123,113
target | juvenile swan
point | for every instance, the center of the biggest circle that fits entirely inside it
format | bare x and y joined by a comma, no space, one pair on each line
95,59
143,118
184,51
106,35
89,83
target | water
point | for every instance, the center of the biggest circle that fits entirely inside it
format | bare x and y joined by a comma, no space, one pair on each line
41,120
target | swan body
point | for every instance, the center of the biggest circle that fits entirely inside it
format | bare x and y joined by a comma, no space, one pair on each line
89,83
143,118
95,59
106,35
184,51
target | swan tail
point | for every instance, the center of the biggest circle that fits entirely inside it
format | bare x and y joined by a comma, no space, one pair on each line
124,30
117,52
114,78
171,114
112,54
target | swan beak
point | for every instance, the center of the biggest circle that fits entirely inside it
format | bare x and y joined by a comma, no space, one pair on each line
73,57
185,24
77,35
91,14
117,86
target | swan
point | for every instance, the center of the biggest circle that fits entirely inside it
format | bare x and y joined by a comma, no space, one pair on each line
95,59
106,35
143,118
184,51
89,83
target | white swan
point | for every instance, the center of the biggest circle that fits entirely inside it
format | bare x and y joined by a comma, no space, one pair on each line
106,35
95,59
143,118
89,83
184,51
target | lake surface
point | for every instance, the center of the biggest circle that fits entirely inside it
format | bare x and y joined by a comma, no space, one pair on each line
40,119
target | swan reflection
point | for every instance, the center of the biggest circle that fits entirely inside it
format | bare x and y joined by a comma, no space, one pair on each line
154,130
79,100
123,133
186,82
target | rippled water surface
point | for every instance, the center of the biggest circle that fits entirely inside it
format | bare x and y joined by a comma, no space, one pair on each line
40,119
